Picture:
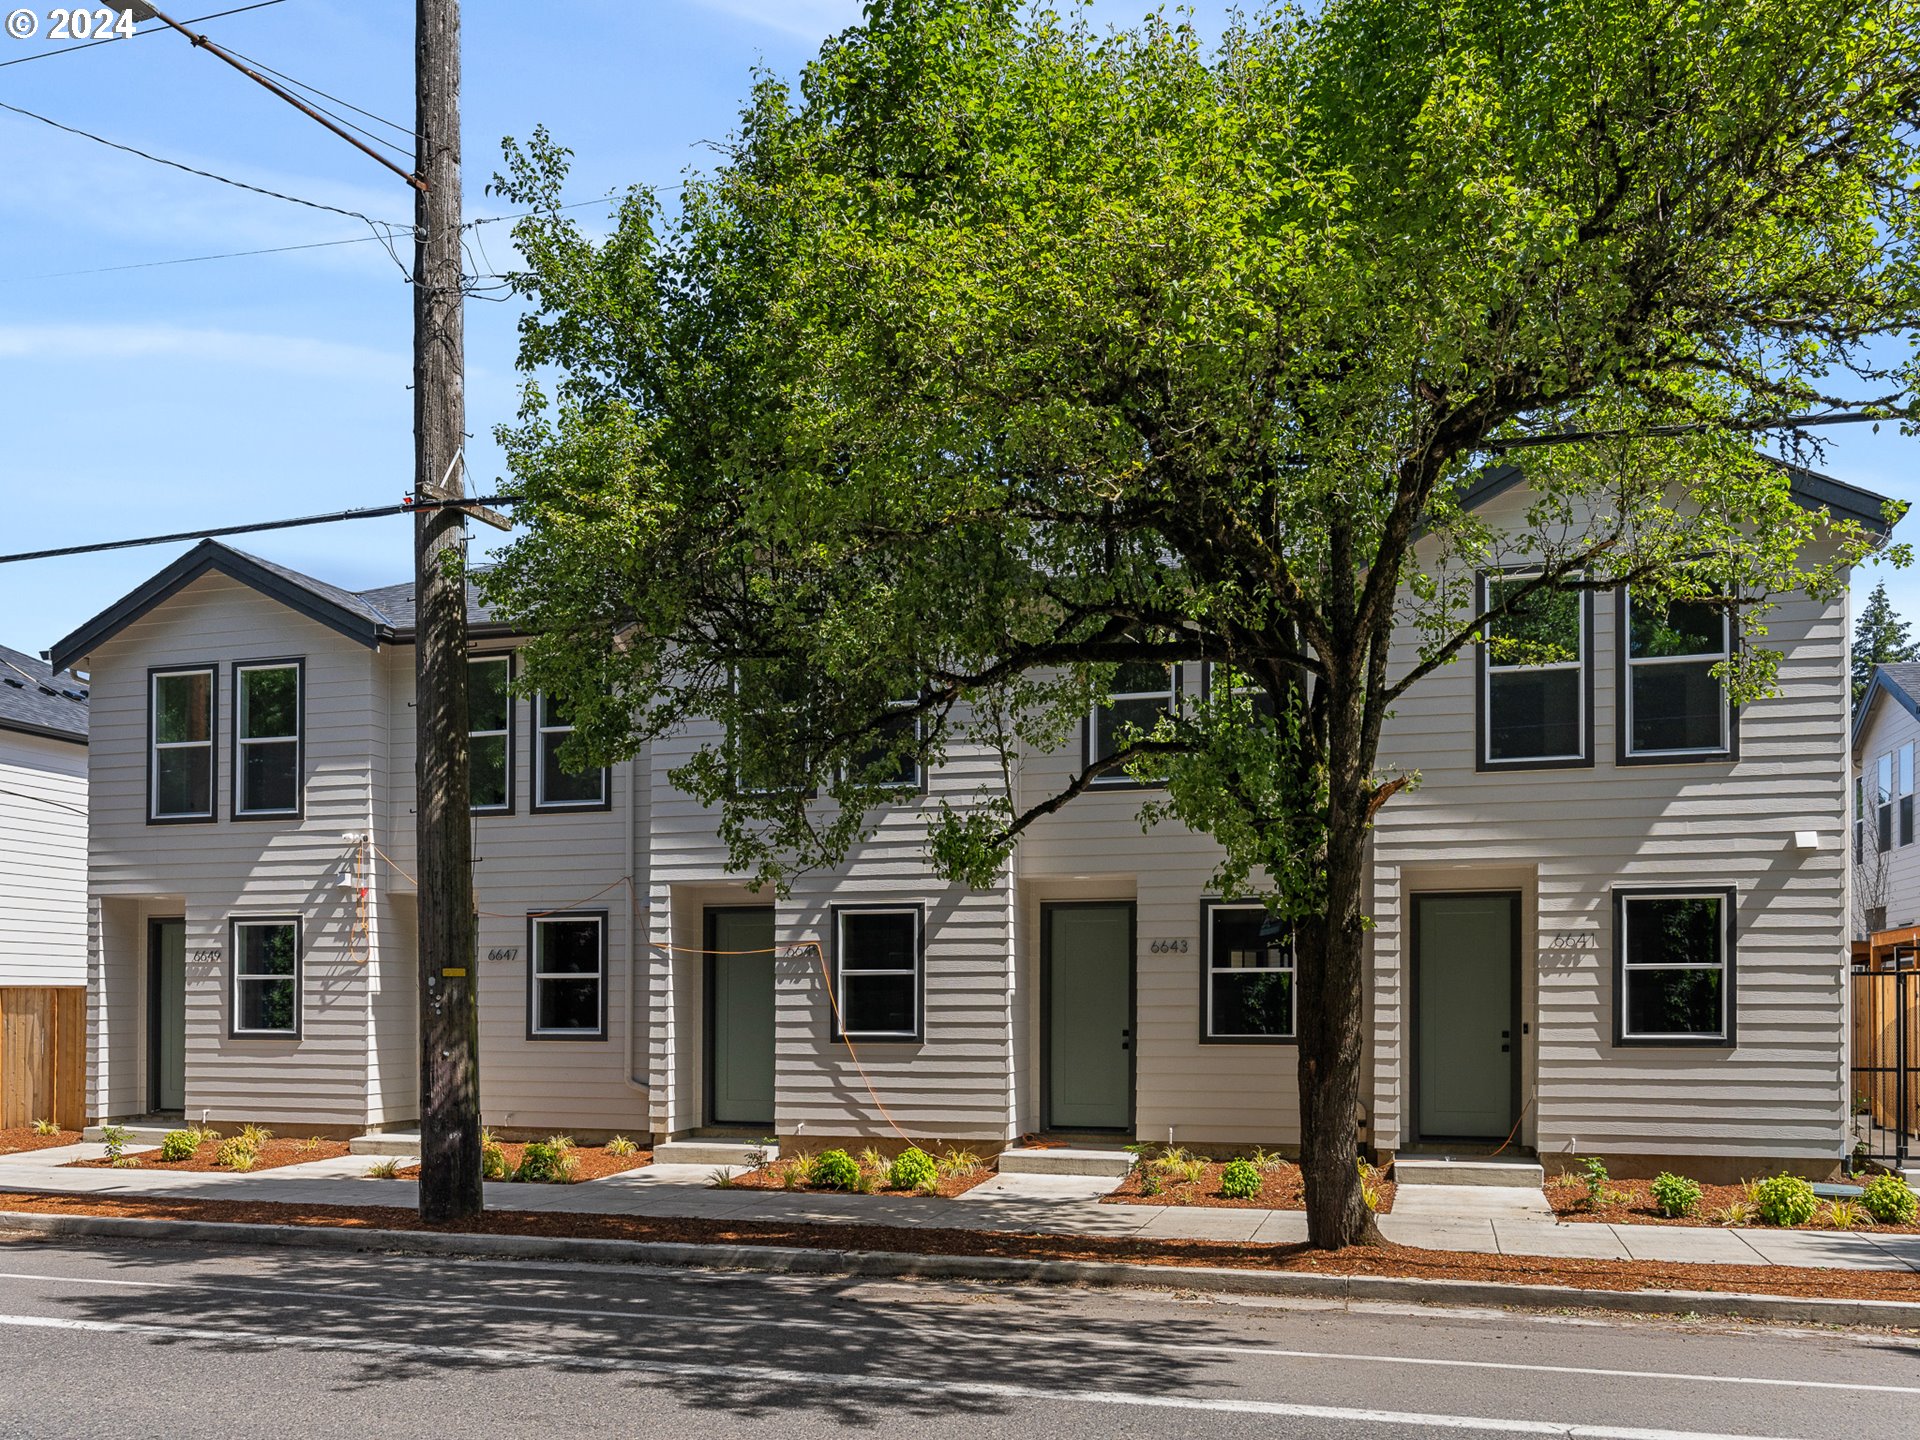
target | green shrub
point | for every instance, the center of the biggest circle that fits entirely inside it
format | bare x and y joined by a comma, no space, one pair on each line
179,1145
388,1169
541,1164
1676,1195
116,1138
236,1154
913,1169
1240,1180
46,1127
493,1157
1596,1177
256,1136
958,1162
1889,1201
620,1147
1785,1200
835,1170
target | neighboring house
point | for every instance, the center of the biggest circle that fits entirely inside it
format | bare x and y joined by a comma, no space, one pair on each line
1886,730
43,824
1612,919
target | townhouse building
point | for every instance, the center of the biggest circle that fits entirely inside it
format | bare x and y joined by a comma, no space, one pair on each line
43,824
1612,918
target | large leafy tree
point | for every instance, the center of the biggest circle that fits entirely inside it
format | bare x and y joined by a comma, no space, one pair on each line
1879,638
999,355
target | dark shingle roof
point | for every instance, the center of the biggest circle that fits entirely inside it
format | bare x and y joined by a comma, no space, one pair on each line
1899,681
36,699
396,603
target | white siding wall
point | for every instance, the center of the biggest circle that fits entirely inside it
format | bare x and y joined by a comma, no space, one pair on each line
1897,871
43,861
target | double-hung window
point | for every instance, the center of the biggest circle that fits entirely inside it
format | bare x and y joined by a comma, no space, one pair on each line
893,759
490,735
266,738
1673,972
768,744
1883,802
180,731
555,786
1676,707
1534,676
567,977
1224,679
1859,819
1903,794
877,966
1249,975
1143,691
266,976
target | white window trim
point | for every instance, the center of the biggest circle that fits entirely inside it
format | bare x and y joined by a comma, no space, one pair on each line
912,969
1578,664
1725,653
506,735
264,922
536,975
1291,968
1722,966
241,740
155,744
541,729
1171,704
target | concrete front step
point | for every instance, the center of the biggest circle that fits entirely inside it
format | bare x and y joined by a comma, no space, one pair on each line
143,1135
1522,1174
736,1153
1065,1160
386,1142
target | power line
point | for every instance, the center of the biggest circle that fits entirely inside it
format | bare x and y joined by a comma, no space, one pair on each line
405,507
316,90
150,30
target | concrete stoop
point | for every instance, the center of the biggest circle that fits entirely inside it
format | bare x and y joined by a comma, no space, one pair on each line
1065,1160
386,1142
1521,1174
735,1153
144,1136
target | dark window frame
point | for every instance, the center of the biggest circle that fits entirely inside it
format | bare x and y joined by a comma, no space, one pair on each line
536,918
900,792
1089,723
237,782
1623,751
1729,898
235,923
512,738
538,803
918,910
211,670
1482,685
1883,802
1208,907
1903,777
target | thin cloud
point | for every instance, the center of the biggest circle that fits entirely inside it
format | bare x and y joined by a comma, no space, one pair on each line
295,354
805,19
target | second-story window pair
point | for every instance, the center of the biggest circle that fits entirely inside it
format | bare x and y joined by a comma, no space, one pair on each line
183,728
1536,679
490,746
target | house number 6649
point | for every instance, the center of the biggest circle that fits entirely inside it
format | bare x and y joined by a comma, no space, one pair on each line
1168,947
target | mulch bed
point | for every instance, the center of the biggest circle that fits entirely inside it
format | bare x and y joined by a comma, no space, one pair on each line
591,1162
1384,1260
21,1138
769,1177
1636,1207
1281,1188
270,1156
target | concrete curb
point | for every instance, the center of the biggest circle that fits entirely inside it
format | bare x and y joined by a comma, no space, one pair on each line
877,1264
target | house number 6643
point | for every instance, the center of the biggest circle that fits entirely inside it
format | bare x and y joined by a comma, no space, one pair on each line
1168,947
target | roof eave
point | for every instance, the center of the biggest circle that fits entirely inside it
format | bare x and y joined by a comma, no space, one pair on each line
43,732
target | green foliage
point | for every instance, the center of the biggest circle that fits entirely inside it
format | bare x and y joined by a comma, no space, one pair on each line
179,1145
1369,1186
543,1164
1737,1212
1879,638
1676,1195
46,1127
1889,1200
1150,1182
1845,1215
621,1147
835,1170
959,1162
1240,1180
1785,1200
237,1153
116,1138
913,1169
388,1169
720,1178
493,1157
1594,1174
255,1136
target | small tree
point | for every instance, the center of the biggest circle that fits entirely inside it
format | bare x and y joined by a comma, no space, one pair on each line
1879,638
1002,359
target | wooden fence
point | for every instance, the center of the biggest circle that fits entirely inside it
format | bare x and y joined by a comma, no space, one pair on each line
43,1055
1886,1062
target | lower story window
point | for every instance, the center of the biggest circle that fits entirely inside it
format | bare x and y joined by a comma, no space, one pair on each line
567,997
1249,975
266,977
1674,971
877,973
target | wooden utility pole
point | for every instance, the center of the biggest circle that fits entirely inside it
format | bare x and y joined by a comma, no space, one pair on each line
449,1019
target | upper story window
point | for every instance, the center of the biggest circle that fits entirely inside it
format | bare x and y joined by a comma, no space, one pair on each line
180,732
1675,706
555,786
1142,692
266,977
266,734
1249,975
877,957
567,981
490,734
1903,794
1535,677
1221,677
1673,970
771,721
884,764
1883,801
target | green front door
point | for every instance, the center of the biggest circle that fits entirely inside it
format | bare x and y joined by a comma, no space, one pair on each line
167,1013
740,1016
1466,1014
1087,960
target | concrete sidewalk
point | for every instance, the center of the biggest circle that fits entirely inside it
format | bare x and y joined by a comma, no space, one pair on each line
1461,1218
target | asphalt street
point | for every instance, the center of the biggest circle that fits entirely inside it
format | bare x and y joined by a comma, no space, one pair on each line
110,1339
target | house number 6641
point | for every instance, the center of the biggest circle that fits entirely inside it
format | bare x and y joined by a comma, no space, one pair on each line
1168,947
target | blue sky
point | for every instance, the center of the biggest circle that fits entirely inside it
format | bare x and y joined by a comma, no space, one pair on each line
149,400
